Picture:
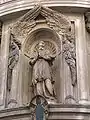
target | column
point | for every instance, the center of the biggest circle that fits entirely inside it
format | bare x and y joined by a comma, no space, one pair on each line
4,64
81,54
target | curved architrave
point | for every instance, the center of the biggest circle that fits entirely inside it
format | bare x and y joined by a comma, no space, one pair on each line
17,5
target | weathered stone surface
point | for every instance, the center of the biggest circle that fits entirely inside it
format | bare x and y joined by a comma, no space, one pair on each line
13,58
13,6
30,25
66,38
56,112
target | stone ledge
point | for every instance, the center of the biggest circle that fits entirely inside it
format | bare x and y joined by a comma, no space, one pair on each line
18,5
72,108
69,112
56,112
13,112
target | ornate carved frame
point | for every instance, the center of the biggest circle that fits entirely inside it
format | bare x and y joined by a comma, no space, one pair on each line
55,21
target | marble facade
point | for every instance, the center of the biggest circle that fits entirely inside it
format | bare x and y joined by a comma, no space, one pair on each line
66,33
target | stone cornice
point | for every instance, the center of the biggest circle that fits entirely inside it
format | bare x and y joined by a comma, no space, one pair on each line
18,5
57,112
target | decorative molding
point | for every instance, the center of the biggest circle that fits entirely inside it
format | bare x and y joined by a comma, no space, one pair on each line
53,19
18,5
56,111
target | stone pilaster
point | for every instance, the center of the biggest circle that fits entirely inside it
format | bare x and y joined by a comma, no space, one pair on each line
81,51
4,64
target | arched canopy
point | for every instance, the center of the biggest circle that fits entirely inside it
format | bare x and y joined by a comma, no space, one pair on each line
39,14
51,38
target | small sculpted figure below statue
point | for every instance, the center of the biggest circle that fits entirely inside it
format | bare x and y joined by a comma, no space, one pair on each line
41,61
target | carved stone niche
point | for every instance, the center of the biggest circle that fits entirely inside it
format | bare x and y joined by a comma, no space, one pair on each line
52,43
44,24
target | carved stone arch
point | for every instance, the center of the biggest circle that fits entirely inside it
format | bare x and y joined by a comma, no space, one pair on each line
56,21
41,33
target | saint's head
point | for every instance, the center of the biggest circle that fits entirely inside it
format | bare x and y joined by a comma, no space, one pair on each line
41,45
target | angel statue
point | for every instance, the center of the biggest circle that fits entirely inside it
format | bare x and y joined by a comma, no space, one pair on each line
12,60
41,60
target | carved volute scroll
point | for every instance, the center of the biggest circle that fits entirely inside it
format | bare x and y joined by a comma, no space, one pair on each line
14,47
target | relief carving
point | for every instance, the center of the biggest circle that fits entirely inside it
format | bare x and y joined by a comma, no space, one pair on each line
55,20
69,53
14,47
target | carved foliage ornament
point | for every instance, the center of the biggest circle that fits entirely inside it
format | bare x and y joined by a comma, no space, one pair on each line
69,52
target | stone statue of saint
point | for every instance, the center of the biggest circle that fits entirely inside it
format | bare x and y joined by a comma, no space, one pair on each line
41,61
